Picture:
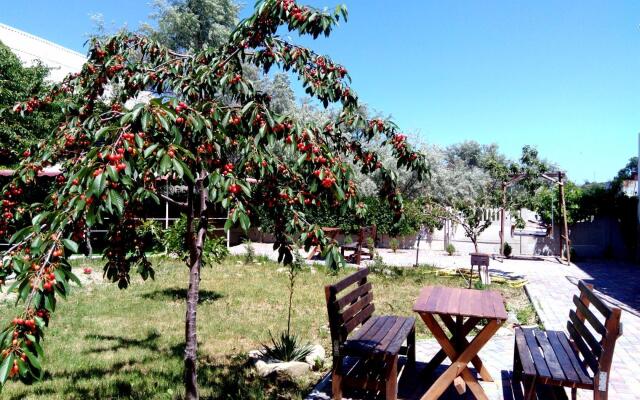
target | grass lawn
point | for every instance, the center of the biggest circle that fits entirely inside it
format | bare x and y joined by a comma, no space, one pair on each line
106,343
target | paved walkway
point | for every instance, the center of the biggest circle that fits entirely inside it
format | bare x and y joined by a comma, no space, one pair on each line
551,287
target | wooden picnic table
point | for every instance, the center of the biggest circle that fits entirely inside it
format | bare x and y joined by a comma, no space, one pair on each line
460,310
330,232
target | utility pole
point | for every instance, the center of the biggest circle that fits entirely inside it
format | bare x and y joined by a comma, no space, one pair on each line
504,206
567,243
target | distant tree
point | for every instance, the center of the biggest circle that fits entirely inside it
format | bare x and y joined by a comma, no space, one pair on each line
18,82
627,172
192,25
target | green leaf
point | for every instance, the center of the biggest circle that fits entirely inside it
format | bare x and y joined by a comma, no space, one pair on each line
5,368
165,162
117,200
177,167
244,221
74,278
33,359
150,150
71,245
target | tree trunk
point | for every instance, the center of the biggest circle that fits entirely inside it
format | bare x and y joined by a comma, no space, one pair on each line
195,244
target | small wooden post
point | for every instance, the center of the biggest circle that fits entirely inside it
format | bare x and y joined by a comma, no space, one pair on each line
564,220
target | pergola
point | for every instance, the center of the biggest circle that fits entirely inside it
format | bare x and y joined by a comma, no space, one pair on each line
556,178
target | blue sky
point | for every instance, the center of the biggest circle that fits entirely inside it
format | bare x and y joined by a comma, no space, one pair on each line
563,76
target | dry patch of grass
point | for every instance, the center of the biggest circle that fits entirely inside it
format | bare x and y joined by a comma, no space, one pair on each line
109,343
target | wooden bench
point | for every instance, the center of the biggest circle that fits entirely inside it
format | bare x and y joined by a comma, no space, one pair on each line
551,360
366,358
359,248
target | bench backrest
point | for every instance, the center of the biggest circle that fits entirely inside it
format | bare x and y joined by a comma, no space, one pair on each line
594,330
349,305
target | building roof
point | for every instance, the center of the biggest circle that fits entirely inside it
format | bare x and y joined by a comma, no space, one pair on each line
29,48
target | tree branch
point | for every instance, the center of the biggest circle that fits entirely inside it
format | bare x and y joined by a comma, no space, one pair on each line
174,202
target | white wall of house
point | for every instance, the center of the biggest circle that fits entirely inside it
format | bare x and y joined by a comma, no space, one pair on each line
30,48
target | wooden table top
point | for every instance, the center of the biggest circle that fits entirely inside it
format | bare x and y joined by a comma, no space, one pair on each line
460,302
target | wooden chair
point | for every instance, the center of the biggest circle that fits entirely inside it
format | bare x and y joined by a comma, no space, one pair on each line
549,360
367,358
359,247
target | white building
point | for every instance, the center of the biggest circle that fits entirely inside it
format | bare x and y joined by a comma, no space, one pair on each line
29,48
630,187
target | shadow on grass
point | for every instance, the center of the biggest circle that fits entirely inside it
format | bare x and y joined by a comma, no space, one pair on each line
157,374
175,294
148,343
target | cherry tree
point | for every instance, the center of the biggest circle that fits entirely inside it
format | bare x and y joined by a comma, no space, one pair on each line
205,127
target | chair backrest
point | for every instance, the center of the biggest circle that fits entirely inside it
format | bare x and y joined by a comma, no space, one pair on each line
348,309
603,322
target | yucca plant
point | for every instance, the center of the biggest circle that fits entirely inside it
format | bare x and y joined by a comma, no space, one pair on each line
286,347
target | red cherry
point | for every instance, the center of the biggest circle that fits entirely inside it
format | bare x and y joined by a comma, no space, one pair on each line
179,120
171,153
234,188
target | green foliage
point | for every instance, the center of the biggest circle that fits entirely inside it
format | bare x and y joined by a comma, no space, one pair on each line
480,286
152,234
249,255
378,266
450,249
174,237
192,25
206,129
174,240
394,244
507,250
287,347
21,131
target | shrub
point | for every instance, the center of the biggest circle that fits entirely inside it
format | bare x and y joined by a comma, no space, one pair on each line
173,238
507,250
151,233
250,252
287,347
450,249
215,248
394,244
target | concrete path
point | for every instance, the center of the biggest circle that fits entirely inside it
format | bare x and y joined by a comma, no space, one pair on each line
551,286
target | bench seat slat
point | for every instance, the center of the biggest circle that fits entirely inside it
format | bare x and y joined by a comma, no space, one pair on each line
549,355
384,336
524,353
557,351
536,355
573,357
563,358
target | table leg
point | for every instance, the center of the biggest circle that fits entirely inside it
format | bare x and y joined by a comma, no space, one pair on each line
462,342
467,327
459,364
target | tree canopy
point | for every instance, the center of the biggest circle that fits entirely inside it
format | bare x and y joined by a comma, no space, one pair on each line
206,126
192,25
17,82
